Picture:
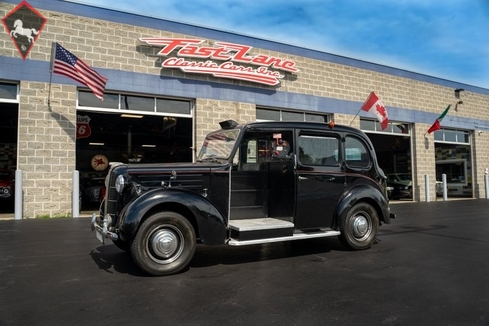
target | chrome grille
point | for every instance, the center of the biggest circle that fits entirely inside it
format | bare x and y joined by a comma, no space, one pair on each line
189,181
111,195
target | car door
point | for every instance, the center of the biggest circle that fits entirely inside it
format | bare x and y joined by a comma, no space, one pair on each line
263,180
320,179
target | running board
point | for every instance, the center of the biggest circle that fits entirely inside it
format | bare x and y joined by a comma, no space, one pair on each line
296,236
260,228
267,230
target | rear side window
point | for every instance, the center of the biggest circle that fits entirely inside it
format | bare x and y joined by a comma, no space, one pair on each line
318,150
356,153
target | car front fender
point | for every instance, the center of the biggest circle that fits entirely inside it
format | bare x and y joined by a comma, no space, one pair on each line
210,222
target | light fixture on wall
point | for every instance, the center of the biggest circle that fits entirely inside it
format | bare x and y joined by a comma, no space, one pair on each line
457,104
458,91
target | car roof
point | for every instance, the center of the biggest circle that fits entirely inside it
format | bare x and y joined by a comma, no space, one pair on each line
299,125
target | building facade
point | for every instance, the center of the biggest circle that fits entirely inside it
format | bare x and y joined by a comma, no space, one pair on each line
170,83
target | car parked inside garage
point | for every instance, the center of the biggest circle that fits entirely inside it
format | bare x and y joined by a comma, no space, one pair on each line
6,184
400,185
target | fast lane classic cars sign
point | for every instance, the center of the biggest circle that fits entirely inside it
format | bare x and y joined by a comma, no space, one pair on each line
237,63
24,25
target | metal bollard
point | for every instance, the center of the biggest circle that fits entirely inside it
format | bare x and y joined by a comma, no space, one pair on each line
444,179
75,211
19,195
486,184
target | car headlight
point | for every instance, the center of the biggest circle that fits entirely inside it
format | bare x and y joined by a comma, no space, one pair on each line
120,183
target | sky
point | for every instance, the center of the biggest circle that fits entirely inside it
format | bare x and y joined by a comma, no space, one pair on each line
448,39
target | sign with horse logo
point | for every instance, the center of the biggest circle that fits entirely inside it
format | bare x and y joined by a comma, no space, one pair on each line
24,24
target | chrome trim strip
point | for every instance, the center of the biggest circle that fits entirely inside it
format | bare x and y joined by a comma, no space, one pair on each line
298,236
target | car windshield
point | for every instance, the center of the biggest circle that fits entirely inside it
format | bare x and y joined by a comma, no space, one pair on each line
218,146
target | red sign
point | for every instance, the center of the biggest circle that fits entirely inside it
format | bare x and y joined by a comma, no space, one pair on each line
83,129
230,53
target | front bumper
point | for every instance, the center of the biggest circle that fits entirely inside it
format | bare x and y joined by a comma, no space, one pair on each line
101,227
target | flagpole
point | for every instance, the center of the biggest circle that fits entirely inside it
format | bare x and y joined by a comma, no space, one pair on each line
53,49
356,115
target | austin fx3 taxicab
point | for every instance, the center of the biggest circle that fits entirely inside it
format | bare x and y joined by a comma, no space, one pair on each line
252,183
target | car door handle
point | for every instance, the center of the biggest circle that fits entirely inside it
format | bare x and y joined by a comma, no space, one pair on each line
302,178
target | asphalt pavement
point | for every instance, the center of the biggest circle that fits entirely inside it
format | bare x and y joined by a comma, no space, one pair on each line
429,267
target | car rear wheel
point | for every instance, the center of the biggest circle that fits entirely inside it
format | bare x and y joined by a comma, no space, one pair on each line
164,244
360,226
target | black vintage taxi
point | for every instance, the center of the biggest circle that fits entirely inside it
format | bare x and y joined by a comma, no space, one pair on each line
253,183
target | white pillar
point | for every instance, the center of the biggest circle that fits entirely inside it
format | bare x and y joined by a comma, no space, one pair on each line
444,179
75,212
486,184
19,195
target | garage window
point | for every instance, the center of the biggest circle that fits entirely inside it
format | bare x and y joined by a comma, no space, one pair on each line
452,136
8,92
136,103
392,128
263,114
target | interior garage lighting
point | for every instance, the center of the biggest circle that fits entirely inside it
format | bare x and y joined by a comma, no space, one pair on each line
125,115
148,145
96,144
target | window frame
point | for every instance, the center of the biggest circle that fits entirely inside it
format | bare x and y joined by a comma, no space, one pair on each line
121,108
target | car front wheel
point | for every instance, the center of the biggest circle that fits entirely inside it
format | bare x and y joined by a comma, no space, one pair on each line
164,244
360,226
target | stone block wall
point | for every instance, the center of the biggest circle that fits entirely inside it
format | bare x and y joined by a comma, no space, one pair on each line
208,114
46,148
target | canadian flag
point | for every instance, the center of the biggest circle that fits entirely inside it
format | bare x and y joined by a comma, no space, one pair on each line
375,107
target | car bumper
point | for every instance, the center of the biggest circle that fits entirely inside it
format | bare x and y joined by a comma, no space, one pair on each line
101,228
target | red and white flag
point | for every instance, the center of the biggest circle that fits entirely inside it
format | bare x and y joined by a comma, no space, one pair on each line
375,107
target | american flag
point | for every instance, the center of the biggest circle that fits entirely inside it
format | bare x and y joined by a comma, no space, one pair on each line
67,64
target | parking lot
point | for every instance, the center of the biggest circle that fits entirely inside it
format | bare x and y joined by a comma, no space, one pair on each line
429,267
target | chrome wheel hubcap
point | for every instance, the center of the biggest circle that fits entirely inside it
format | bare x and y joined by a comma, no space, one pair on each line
165,244
361,227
